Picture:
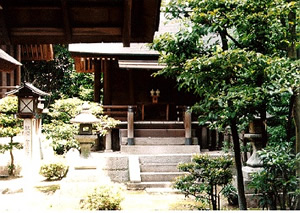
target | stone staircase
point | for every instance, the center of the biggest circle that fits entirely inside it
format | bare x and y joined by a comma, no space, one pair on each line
156,171
158,141
155,155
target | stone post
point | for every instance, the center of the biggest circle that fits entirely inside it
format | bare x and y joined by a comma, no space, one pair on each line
130,126
254,163
108,145
188,126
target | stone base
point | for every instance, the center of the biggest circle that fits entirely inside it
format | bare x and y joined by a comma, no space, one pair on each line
248,171
251,198
252,201
82,179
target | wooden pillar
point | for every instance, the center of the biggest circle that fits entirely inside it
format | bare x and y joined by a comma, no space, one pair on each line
131,87
130,126
188,126
18,70
97,81
106,82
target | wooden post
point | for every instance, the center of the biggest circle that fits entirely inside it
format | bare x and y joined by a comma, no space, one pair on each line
131,87
130,126
188,126
106,82
108,141
18,70
97,81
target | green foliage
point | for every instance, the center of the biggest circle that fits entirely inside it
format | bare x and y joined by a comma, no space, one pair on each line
59,78
238,78
233,56
105,197
277,184
54,171
230,192
61,131
10,126
204,176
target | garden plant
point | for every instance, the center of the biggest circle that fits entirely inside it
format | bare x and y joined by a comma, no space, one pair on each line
206,179
238,57
59,129
10,126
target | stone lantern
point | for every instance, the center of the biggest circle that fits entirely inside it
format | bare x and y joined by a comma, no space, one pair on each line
85,137
29,100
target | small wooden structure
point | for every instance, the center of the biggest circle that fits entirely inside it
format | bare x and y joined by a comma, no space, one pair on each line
11,75
128,85
29,28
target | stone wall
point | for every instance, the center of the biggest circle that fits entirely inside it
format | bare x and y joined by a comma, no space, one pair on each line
116,167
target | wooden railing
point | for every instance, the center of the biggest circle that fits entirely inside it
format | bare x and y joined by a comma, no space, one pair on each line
208,139
118,112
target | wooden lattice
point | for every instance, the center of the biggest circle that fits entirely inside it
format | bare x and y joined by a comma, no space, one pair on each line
37,52
84,65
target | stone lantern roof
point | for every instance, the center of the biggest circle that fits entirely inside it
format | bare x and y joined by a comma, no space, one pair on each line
85,117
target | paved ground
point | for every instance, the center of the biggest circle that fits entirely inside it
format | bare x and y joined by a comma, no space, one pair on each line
19,195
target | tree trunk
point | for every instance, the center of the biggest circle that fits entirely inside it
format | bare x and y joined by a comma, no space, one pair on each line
213,198
263,120
292,53
12,163
238,164
297,126
290,118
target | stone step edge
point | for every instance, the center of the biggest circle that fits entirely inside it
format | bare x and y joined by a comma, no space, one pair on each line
146,184
163,173
159,164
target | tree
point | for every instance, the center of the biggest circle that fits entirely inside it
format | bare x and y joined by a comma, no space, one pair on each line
204,178
230,54
61,131
59,78
10,126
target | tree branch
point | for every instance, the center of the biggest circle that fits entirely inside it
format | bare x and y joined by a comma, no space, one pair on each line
234,41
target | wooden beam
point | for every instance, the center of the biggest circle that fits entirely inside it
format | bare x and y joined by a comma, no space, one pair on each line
127,23
88,31
66,20
4,29
36,31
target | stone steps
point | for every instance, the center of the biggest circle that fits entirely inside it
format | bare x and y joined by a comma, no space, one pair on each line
159,176
155,167
165,158
163,141
156,133
152,149
144,185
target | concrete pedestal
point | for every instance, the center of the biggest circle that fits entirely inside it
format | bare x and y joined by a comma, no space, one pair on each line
251,197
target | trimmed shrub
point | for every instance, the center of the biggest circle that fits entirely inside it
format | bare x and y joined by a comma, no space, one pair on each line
105,197
54,171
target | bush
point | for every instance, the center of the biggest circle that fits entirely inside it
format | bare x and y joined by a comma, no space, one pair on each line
54,171
61,131
106,197
204,175
277,183
230,192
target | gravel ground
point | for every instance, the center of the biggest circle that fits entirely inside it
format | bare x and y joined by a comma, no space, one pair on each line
19,195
